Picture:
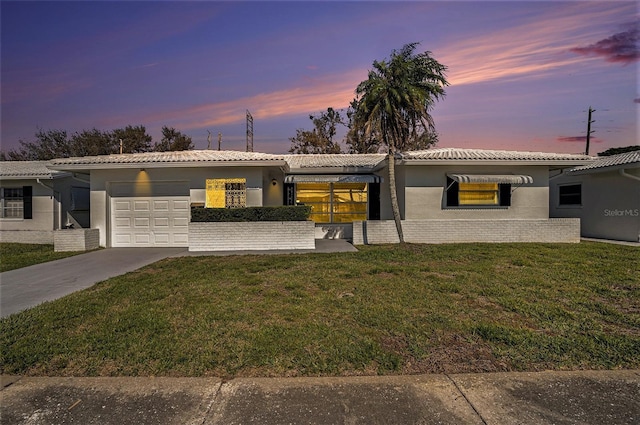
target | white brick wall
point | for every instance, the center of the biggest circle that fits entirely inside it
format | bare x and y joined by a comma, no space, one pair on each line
241,236
27,236
566,230
76,240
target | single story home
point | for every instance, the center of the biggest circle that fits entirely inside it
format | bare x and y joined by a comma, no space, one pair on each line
445,195
35,201
604,194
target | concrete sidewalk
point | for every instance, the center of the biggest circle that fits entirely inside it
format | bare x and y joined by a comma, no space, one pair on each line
584,397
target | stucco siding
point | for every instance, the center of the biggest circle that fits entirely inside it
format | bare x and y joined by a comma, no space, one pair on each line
425,194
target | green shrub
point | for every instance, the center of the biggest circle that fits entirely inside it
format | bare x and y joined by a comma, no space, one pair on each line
285,213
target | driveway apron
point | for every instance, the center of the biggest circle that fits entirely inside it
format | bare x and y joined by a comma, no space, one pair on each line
27,287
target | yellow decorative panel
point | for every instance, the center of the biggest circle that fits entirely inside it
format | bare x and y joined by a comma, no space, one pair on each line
226,193
215,193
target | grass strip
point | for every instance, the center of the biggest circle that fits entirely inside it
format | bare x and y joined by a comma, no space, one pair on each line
396,309
18,255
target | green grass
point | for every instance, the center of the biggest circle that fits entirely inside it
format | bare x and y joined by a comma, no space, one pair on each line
18,255
383,310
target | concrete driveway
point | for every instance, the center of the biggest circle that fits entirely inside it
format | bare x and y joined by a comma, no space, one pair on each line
27,287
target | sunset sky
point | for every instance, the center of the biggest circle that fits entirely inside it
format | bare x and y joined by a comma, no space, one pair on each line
522,74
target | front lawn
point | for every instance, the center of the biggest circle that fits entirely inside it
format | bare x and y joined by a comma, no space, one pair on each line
18,255
384,310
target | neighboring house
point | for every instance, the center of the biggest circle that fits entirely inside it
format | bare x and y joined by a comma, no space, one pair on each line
445,195
35,201
604,194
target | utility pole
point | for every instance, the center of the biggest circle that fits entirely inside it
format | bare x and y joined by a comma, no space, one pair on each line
219,140
208,140
589,131
249,132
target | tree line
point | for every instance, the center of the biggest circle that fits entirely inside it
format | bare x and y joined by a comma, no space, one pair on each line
49,144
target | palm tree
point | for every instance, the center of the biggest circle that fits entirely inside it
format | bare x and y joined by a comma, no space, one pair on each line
393,104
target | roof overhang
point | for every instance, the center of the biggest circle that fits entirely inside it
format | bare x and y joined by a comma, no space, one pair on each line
557,163
609,168
332,178
35,177
492,178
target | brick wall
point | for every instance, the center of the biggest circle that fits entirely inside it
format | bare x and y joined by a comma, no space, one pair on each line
27,236
76,240
241,236
565,230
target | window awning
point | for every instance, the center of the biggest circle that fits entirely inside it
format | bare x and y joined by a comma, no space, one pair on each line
492,178
332,178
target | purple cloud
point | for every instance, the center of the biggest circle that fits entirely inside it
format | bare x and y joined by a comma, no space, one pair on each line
636,100
619,48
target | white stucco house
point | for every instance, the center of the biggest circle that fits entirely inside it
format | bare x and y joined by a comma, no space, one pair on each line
35,201
604,194
445,195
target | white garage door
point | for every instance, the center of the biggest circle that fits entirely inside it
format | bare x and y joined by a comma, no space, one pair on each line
149,221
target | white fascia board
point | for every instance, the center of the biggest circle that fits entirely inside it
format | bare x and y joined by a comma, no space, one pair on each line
203,164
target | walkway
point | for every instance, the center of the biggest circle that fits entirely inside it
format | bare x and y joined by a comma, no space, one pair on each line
583,397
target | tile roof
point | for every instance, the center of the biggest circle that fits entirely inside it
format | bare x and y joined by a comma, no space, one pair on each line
302,161
28,170
489,155
611,161
189,156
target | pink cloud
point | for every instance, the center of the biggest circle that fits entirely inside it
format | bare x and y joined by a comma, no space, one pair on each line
312,95
532,49
578,139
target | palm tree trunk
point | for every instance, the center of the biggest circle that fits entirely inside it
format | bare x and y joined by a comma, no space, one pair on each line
394,194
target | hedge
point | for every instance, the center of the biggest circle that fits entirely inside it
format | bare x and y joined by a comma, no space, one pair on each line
285,213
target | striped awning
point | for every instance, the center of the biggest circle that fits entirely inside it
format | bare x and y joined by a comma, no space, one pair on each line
332,178
492,178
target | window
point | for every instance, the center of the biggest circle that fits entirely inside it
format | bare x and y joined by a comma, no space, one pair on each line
477,194
15,202
570,194
79,199
334,202
226,193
